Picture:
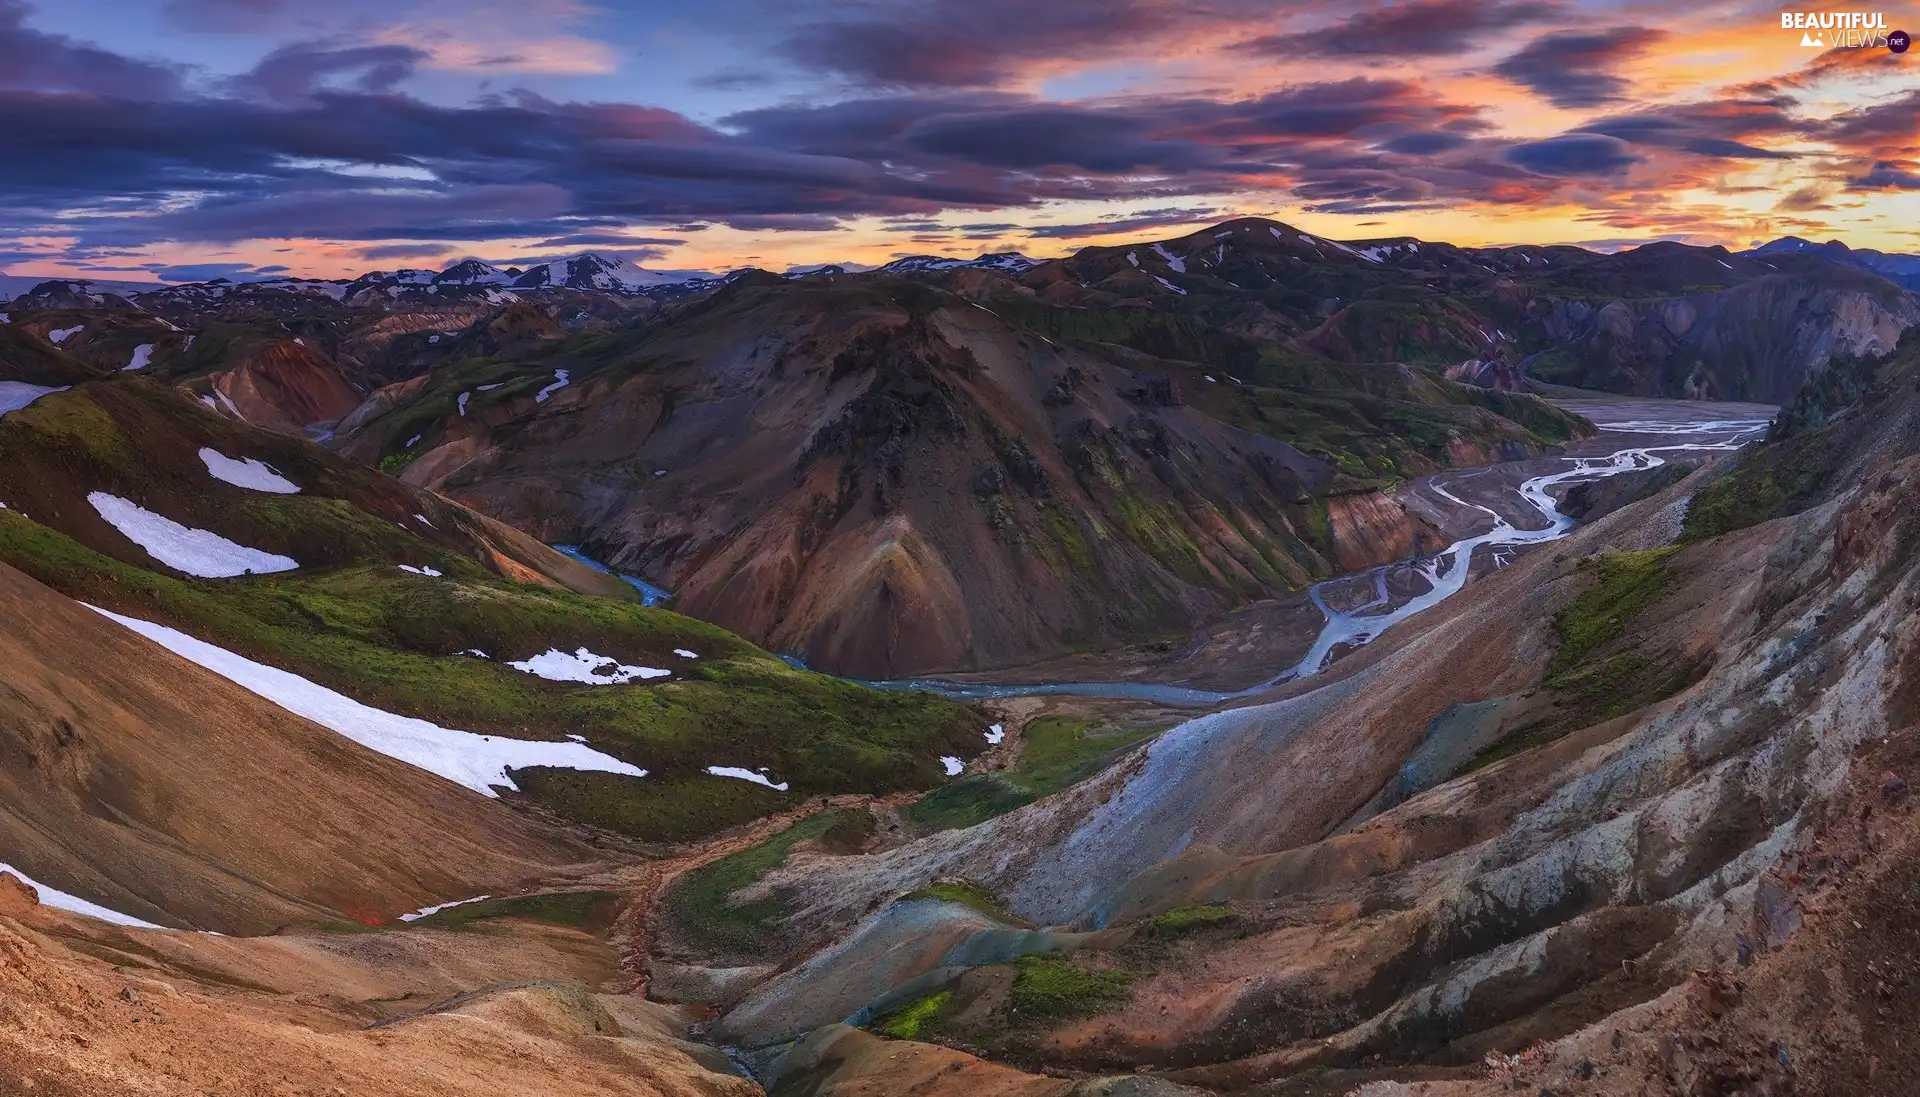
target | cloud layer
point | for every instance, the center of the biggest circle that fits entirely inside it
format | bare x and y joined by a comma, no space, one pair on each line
939,122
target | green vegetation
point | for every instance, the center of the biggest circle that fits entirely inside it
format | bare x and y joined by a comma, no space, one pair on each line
1627,583
1595,674
1806,448
1779,479
914,1019
1051,990
1055,752
970,801
593,911
1186,919
701,905
395,640
966,893
351,620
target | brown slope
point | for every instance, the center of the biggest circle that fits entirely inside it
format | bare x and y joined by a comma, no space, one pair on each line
157,1016
287,386
1627,823
27,357
890,479
139,781
131,437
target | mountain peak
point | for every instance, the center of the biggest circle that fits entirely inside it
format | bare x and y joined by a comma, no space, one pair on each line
591,270
471,272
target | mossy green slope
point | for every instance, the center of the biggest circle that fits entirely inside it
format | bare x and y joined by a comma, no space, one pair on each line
350,619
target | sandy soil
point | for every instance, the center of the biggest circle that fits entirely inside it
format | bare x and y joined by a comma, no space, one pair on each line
87,1010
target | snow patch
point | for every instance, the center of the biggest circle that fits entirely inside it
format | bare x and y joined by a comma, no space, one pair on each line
1178,264
73,904
996,734
184,549
142,354
478,762
64,334
15,395
464,397
584,666
954,765
559,382
685,654
428,572
425,912
1350,251
245,472
1170,285
1133,258
747,775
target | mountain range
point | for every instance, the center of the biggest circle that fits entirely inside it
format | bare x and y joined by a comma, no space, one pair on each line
948,465
1903,270
1240,663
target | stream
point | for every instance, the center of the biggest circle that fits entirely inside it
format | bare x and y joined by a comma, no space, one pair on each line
1443,573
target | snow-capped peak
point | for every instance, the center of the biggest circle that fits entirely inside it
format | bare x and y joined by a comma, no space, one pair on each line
590,271
473,272
1011,261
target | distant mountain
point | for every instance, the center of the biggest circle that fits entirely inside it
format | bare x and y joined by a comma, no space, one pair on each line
1901,269
1011,262
473,272
588,271
13,287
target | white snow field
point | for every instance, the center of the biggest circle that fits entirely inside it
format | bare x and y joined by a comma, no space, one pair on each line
195,552
245,472
584,666
747,775
479,762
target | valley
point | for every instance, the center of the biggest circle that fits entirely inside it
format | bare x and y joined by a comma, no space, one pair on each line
1126,673
1495,512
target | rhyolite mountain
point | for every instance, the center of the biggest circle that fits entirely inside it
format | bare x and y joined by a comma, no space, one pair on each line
1628,815
950,464
889,476
1901,269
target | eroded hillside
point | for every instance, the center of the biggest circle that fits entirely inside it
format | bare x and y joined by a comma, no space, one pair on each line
1633,806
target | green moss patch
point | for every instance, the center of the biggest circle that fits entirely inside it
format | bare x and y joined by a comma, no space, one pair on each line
967,894
1626,583
917,1019
1182,920
1056,752
701,904
349,619
1052,990
1773,481
1598,673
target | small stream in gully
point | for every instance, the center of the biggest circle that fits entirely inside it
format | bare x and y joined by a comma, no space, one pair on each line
1661,428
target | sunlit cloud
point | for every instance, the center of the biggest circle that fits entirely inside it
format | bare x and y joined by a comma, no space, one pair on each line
419,130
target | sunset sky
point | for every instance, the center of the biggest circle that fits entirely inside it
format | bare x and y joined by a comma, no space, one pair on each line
184,139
